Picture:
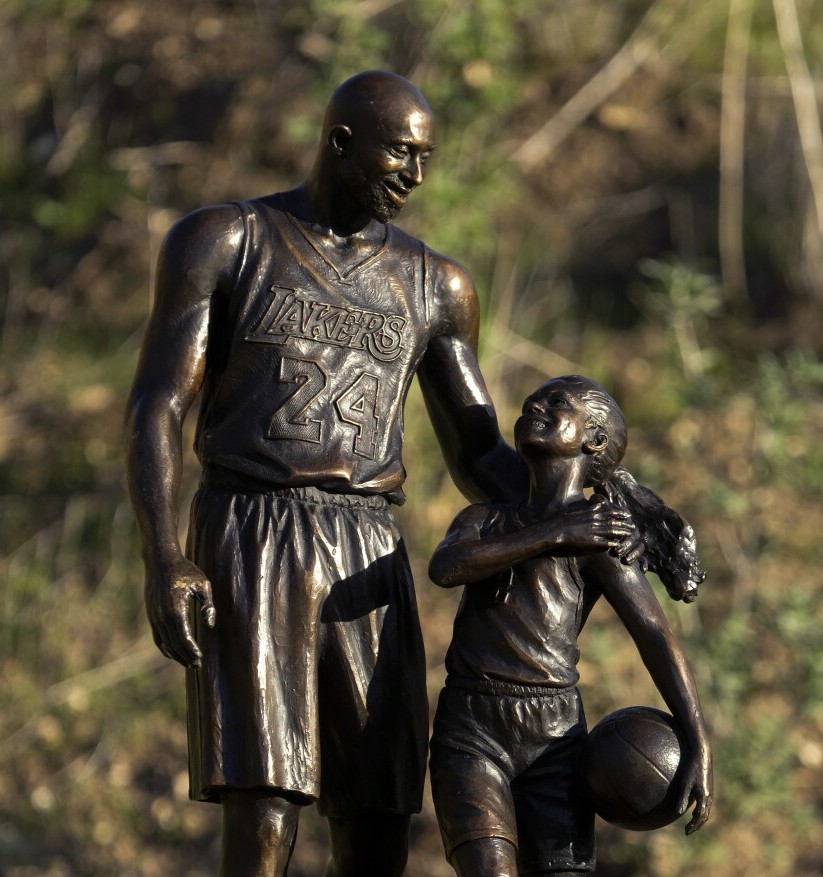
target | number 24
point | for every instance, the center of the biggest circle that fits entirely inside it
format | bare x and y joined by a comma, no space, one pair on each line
356,406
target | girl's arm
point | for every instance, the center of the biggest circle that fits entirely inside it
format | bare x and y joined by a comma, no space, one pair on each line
632,597
466,556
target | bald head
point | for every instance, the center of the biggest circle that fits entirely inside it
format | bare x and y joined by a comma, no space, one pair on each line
371,97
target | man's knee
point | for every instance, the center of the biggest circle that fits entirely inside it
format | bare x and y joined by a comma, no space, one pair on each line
275,825
266,822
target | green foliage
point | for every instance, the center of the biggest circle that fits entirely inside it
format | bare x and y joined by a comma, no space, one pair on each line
685,300
79,208
754,735
787,393
37,10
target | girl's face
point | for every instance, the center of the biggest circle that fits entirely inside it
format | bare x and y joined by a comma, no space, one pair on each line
554,422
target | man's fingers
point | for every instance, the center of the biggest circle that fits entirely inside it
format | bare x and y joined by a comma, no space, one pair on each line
158,641
203,593
169,644
180,638
169,594
189,647
185,648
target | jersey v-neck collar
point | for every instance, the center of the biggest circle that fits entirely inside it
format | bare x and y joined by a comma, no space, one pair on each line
315,242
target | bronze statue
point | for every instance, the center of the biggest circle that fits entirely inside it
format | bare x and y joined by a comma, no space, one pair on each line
301,318
509,727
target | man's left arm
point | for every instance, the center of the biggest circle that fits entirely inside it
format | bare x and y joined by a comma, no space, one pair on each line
481,464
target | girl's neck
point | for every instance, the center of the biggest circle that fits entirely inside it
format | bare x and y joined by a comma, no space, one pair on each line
540,505
555,487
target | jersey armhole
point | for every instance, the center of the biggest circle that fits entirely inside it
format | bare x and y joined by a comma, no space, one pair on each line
240,263
425,285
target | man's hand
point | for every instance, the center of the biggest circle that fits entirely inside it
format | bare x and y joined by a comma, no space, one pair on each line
698,789
169,592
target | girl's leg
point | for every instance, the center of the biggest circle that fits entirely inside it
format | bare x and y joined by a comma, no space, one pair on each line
485,857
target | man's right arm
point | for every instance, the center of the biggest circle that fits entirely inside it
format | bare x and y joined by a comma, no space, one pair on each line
196,264
482,465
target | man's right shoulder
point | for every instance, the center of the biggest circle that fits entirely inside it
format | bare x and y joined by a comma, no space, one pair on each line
231,218
210,238
203,248
218,218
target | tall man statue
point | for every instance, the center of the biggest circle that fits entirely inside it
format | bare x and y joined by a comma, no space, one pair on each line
302,318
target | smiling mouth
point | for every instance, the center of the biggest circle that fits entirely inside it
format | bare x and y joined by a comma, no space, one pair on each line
530,420
397,193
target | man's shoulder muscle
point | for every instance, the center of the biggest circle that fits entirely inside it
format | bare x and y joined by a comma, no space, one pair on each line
213,225
454,295
202,247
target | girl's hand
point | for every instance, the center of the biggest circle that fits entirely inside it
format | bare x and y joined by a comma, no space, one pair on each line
698,789
598,526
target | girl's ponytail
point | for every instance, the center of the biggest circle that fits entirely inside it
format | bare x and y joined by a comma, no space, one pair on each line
671,551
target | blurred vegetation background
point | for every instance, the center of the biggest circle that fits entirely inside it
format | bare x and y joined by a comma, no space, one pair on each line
637,188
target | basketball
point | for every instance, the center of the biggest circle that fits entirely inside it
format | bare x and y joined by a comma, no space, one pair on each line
630,760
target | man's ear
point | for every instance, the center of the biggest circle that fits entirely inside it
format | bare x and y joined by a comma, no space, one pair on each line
596,443
339,138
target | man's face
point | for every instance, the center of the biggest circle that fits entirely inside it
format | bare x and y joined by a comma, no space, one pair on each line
554,422
386,158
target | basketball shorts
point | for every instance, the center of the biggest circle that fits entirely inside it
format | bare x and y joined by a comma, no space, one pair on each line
506,765
312,682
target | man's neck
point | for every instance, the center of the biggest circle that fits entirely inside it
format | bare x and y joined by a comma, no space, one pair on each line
343,253
327,209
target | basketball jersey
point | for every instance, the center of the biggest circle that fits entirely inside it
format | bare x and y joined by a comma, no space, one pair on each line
308,366
521,628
